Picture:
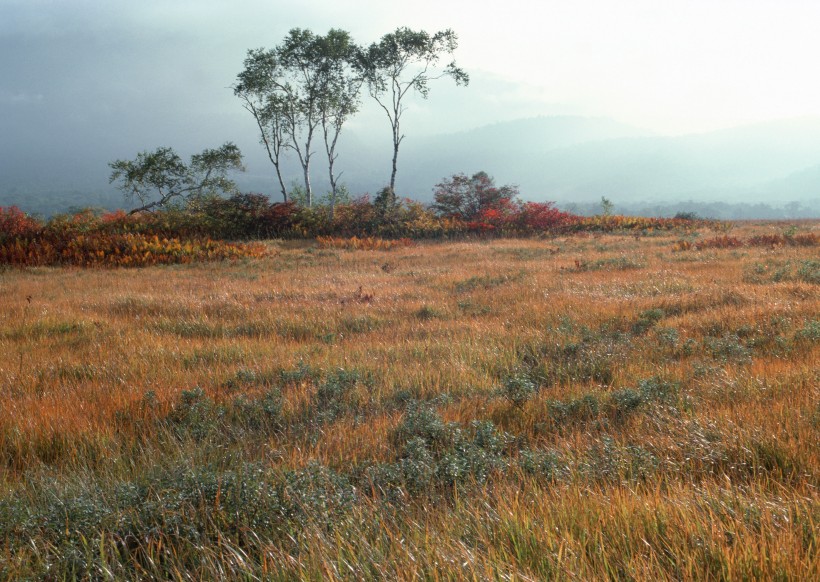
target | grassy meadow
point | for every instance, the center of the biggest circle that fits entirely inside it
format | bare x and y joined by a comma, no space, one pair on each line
586,407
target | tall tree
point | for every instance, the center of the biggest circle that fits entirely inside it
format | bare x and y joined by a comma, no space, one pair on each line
257,87
304,85
160,177
339,97
407,60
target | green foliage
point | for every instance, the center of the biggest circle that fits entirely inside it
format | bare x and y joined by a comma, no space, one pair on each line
401,61
158,178
577,410
810,331
809,271
422,422
518,389
544,464
303,87
647,319
336,394
728,347
607,460
606,206
623,402
468,199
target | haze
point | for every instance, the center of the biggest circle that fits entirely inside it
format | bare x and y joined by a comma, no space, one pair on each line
84,82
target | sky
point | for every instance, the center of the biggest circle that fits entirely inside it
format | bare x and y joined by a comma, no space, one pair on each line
122,76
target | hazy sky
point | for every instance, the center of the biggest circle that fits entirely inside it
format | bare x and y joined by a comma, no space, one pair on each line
126,75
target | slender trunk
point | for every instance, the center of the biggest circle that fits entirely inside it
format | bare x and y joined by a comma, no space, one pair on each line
281,184
397,137
308,192
330,149
272,145
306,165
332,186
393,173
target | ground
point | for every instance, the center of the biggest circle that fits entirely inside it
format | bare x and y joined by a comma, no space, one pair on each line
584,407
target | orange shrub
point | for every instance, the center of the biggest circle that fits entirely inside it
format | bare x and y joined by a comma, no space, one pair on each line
720,242
120,250
15,223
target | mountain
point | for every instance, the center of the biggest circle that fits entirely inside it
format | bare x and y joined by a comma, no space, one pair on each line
570,160
728,165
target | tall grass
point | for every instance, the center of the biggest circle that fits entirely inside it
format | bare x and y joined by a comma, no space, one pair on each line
478,410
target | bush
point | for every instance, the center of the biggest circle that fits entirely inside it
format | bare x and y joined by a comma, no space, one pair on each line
518,389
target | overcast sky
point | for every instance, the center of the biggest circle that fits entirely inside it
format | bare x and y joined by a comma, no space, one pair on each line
125,75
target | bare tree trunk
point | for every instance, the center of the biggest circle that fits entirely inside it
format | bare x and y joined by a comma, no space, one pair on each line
308,192
281,183
393,174
331,159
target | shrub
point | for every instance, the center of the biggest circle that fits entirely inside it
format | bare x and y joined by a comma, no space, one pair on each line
518,389
14,223
577,410
421,421
646,320
720,242
809,271
536,217
335,395
623,402
475,199
543,464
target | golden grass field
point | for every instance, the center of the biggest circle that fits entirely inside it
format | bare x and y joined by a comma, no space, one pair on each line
586,407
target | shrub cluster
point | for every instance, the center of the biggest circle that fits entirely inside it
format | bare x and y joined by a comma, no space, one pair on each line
187,232
110,240
769,240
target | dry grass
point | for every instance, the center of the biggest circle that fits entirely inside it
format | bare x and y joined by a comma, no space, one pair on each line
671,432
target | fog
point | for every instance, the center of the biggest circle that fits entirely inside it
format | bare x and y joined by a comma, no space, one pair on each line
635,100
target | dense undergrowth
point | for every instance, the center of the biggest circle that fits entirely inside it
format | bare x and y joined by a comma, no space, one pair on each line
599,407
197,230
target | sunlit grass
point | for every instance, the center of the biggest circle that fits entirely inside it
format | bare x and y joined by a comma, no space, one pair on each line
588,408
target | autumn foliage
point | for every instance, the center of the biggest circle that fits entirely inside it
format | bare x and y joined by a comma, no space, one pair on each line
464,207
762,240
112,240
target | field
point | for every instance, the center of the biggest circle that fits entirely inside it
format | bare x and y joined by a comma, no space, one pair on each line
582,407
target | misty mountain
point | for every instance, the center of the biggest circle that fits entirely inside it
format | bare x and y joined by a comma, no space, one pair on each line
770,162
571,160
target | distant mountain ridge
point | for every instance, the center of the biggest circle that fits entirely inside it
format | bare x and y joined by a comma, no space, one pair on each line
568,159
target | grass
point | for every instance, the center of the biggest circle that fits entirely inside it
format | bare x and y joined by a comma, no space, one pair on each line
479,410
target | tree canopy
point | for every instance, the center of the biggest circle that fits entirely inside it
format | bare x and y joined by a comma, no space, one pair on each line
402,61
467,198
304,85
158,178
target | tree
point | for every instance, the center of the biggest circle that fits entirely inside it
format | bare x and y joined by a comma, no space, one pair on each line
339,96
305,84
606,206
468,198
257,87
405,60
157,178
